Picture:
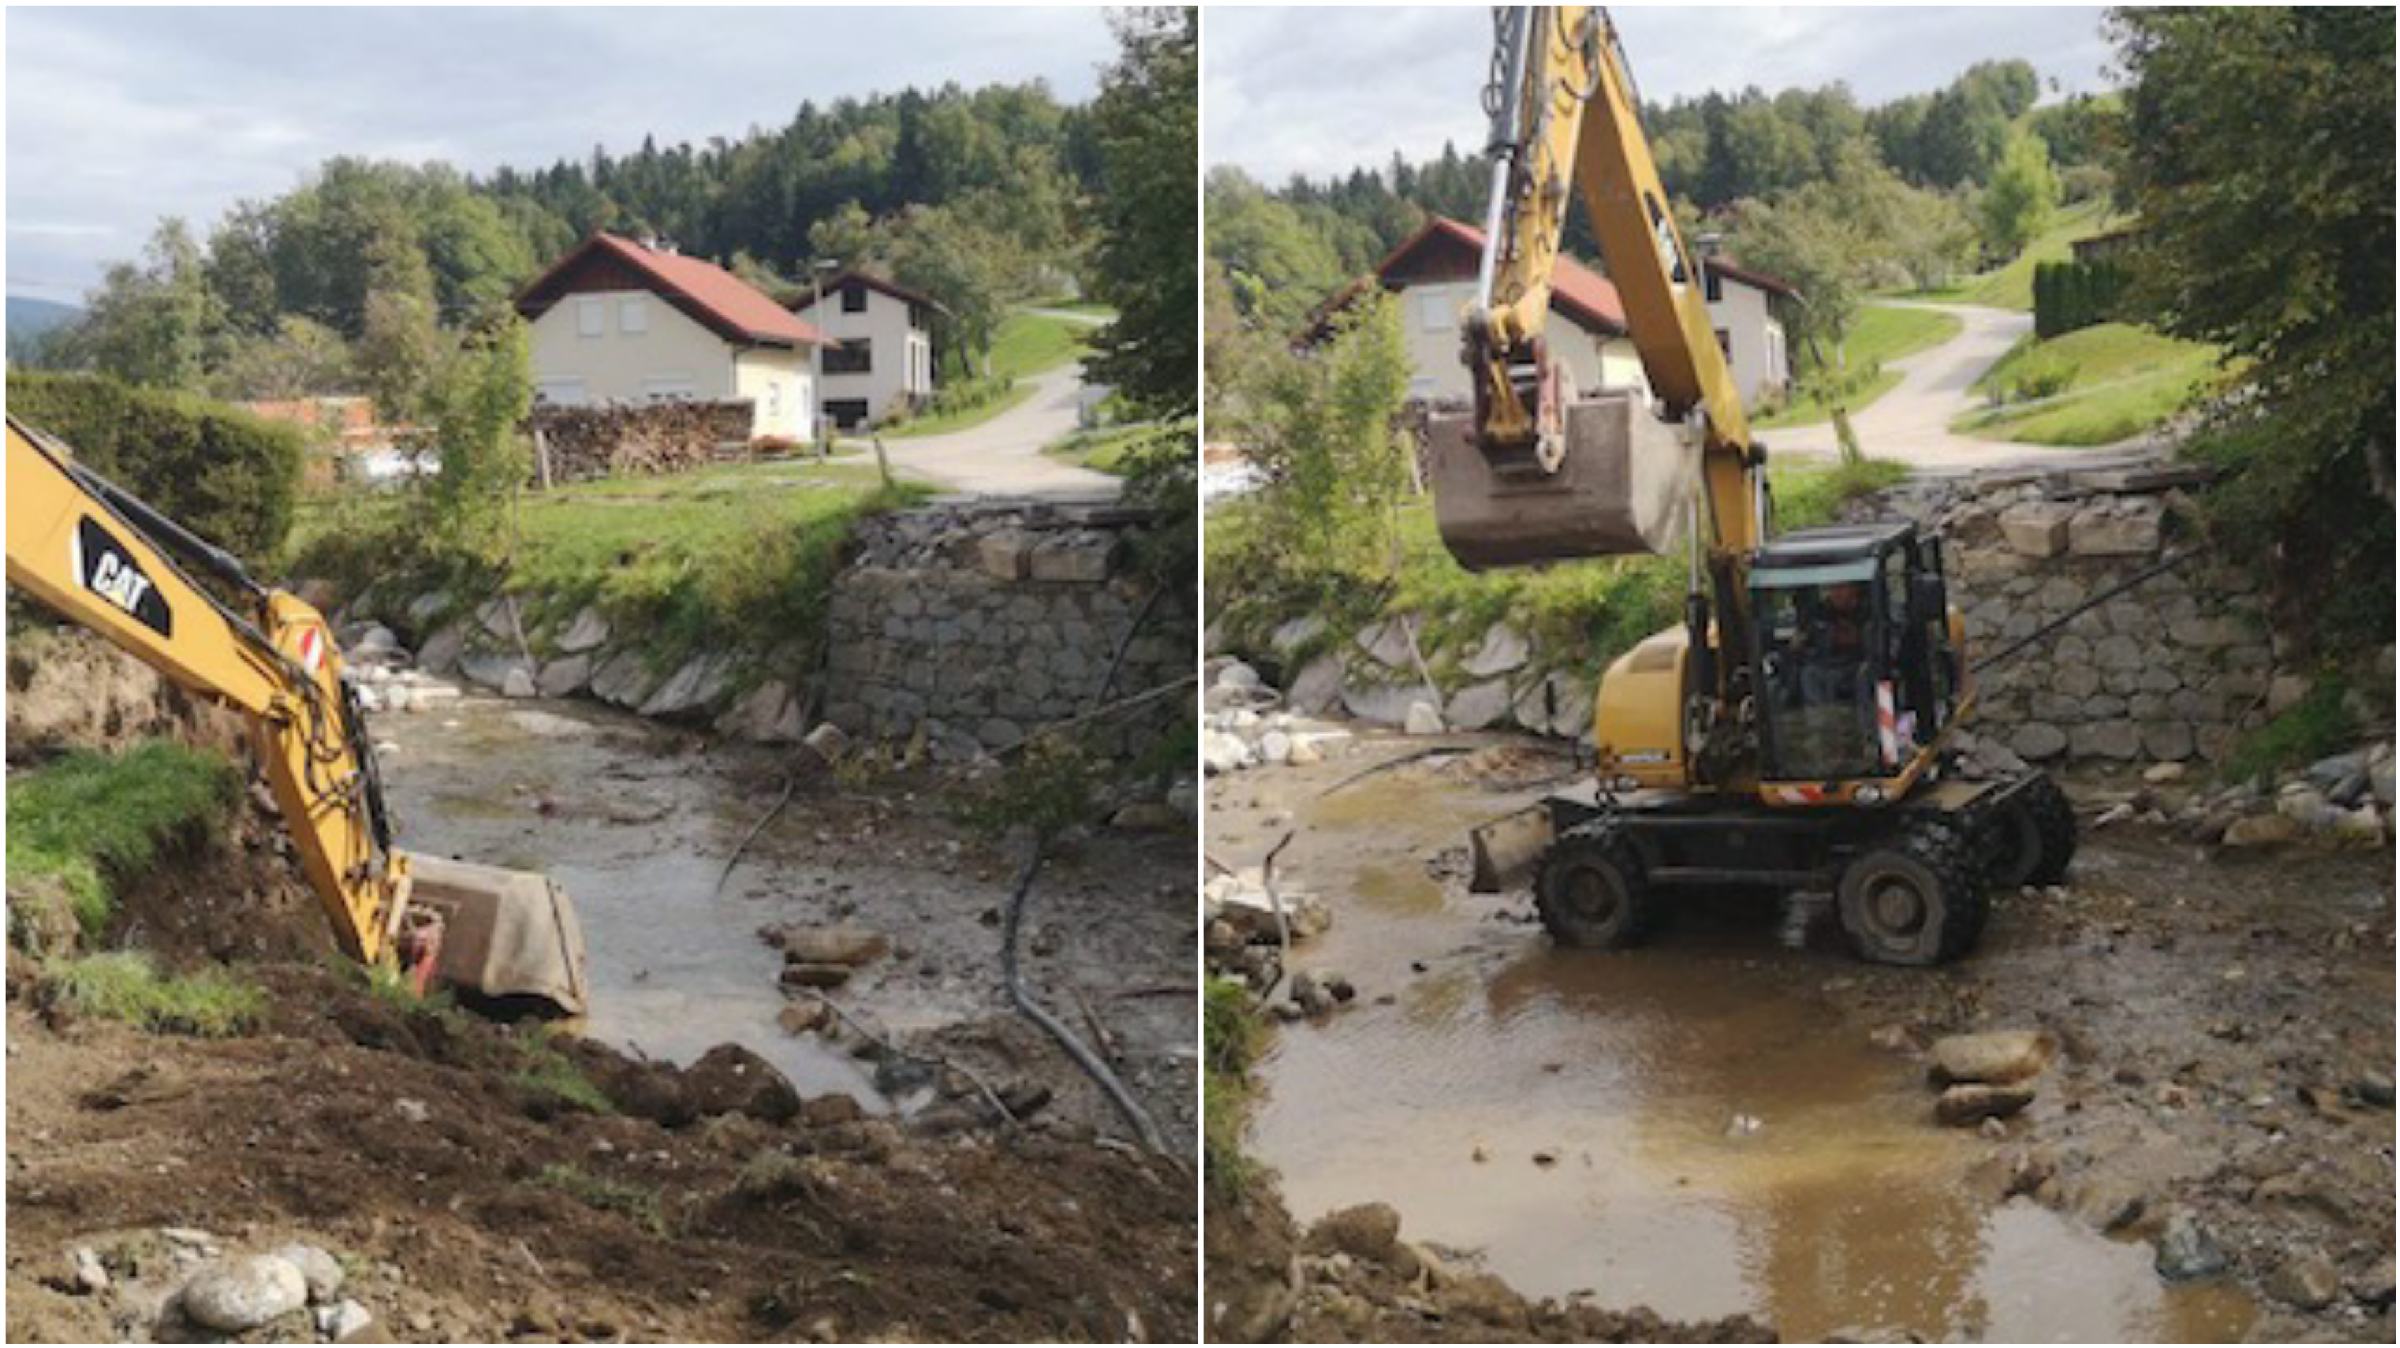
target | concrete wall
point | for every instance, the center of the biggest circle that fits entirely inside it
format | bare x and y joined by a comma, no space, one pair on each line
1429,314
902,356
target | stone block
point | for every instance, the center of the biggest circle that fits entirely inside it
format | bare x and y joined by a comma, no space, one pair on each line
2035,528
2125,530
2117,739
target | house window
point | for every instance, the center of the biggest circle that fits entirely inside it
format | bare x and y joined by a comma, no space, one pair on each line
633,315
1725,342
669,388
854,298
1716,285
775,400
856,355
591,317
847,413
916,316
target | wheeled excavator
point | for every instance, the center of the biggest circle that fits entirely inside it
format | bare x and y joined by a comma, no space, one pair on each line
1794,731
101,556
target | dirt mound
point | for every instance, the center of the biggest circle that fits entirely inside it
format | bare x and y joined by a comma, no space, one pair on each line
1352,1279
68,689
439,1148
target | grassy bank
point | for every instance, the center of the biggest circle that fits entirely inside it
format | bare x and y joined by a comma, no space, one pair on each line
734,554
88,821
1109,449
2094,386
1231,1036
1884,333
1580,613
2011,286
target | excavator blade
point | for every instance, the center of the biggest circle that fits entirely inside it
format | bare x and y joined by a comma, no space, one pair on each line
508,937
1506,850
1622,487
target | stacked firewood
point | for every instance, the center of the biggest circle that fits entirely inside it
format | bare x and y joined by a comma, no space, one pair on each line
577,444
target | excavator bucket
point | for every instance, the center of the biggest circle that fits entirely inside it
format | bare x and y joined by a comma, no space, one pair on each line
1506,850
1623,486
507,937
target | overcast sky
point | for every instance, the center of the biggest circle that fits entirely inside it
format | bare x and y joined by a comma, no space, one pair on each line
119,116
1322,91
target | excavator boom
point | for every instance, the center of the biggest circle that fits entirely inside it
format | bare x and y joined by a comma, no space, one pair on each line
99,555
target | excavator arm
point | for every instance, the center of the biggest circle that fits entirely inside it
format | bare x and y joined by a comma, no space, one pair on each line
1564,480
99,555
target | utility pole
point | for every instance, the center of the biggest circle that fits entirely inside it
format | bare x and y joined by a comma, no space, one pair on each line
817,422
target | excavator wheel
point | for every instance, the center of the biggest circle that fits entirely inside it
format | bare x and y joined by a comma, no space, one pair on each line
1915,898
2031,839
1591,892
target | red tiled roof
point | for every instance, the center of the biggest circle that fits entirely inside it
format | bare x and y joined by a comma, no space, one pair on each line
1575,289
732,307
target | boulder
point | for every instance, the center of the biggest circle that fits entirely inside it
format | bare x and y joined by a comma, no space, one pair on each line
1381,703
1223,752
695,687
1293,635
2120,740
623,679
518,683
321,1271
2185,1250
1369,1231
564,677
2127,530
1237,676
1971,1103
1422,719
1386,643
2307,1281
1994,1057
2035,528
730,1079
767,714
588,632
1479,705
1317,687
2037,740
439,654
239,1295
1503,650
839,944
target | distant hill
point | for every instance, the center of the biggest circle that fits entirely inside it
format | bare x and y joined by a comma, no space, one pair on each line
29,317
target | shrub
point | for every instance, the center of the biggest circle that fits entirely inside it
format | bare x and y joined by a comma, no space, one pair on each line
220,472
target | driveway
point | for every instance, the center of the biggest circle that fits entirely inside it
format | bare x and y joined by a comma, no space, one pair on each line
1003,456
1911,423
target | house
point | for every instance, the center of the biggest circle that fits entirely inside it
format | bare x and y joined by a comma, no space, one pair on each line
1741,307
345,439
620,321
1434,271
884,358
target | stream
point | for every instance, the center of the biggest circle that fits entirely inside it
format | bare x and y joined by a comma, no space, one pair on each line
1688,1126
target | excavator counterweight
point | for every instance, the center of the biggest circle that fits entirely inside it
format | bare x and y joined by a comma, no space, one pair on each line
101,556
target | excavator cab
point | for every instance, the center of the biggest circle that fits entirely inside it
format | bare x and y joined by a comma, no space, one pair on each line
1851,640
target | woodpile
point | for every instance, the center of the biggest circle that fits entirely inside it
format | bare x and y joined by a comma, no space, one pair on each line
578,444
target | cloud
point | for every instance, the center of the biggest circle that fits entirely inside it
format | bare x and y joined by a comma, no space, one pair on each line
1322,91
119,116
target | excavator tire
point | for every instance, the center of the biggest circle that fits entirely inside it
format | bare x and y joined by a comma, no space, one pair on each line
2043,808
1915,898
1591,892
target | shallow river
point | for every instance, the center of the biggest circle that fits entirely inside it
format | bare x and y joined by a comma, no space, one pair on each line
637,832
1672,1127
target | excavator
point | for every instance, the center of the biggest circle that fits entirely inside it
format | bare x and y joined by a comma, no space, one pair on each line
101,556
1796,730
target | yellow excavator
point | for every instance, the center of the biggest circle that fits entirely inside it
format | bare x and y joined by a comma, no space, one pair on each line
1795,731
97,554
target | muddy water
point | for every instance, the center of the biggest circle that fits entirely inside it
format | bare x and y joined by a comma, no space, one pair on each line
1672,1127
637,833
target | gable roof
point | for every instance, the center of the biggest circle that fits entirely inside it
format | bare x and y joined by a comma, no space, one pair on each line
833,286
705,292
1725,266
1444,250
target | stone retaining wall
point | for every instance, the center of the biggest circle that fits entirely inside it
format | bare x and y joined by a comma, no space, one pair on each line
971,627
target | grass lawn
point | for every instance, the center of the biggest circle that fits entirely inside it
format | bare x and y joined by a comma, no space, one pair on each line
942,423
734,551
88,820
1106,450
2011,286
2121,381
1884,333
1026,344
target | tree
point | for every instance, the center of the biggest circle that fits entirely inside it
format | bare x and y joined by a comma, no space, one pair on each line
153,323
2017,204
2258,156
299,359
472,406
1144,264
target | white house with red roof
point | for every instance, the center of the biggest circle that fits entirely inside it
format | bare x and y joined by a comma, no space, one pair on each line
1434,270
882,360
616,321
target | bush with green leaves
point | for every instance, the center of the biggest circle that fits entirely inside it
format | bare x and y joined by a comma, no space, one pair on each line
219,471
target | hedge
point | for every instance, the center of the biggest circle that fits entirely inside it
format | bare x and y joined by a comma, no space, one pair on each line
2072,295
219,471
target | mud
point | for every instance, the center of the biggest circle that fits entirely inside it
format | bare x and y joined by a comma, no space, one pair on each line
1709,1127
475,1203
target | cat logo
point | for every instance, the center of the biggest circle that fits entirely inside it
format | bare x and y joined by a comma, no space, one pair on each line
107,570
